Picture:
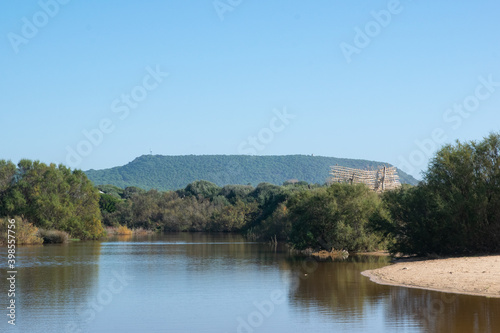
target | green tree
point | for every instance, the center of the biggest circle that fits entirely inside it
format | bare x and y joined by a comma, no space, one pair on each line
202,188
233,193
456,209
232,218
107,203
145,208
337,217
111,190
52,197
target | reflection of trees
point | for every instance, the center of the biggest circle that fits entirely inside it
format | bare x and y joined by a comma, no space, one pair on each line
121,238
61,278
56,274
442,312
338,287
205,250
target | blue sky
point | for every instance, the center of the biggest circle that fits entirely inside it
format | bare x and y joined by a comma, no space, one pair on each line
381,80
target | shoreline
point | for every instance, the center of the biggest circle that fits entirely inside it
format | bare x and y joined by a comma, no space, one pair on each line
476,276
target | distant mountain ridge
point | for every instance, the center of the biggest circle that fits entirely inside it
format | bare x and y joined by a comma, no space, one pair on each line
175,172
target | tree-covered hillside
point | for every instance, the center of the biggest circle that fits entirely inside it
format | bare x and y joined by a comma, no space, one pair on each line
175,172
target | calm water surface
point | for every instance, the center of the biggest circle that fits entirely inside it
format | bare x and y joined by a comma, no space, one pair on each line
221,283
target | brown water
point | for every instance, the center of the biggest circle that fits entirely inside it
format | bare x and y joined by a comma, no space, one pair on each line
221,283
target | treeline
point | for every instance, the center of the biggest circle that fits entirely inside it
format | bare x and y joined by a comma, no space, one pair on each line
339,216
49,197
201,206
454,210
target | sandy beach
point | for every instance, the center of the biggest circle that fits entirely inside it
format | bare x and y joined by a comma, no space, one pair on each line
464,275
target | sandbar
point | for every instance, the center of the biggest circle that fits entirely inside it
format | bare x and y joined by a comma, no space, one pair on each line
464,275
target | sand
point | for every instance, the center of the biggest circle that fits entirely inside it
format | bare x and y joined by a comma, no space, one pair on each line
465,275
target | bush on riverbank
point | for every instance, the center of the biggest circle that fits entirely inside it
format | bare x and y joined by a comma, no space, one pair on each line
25,232
123,230
456,209
50,197
53,236
338,217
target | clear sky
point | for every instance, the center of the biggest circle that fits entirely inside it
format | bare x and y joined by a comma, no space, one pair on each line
85,83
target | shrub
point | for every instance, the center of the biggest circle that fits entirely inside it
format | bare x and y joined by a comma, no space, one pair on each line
53,236
202,188
123,230
51,197
338,217
26,233
456,209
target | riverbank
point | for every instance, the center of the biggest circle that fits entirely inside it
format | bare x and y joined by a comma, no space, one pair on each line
465,275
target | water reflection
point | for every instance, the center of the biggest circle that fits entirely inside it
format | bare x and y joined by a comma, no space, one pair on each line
204,282
335,288
55,278
445,312
338,290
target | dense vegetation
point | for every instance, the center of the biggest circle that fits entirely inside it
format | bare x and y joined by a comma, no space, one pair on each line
173,172
50,197
200,206
338,217
454,210
307,216
25,232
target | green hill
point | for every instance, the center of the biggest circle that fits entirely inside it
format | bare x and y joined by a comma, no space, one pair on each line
175,172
